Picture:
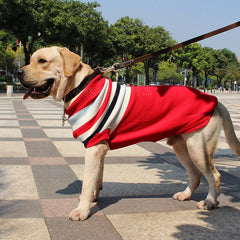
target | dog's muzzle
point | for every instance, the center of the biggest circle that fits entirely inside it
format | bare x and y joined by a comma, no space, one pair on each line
35,92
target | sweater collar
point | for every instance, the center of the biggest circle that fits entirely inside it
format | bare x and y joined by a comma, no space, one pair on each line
87,96
83,84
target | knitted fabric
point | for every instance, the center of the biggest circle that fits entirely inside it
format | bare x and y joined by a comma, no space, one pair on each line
122,115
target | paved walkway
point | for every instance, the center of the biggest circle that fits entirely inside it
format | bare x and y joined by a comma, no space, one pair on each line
41,169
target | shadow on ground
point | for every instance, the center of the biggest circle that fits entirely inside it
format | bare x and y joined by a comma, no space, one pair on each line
220,223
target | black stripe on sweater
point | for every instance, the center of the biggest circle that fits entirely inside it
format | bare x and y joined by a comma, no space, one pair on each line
108,113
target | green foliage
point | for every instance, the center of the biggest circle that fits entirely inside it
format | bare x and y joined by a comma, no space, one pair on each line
135,70
6,38
7,58
8,52
22,21
232,73
167,73
66,23
132,39
205,63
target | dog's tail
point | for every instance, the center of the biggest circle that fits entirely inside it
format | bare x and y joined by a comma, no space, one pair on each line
231,137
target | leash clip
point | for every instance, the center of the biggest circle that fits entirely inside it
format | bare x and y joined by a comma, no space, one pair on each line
64,119
110,69
113,68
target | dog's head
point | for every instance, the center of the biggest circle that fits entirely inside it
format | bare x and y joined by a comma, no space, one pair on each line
49,72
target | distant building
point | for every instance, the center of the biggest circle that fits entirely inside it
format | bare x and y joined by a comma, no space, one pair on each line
238,59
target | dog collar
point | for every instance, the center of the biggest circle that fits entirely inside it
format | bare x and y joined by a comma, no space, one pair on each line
74,92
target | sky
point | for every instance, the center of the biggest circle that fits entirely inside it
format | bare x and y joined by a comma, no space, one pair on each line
183,19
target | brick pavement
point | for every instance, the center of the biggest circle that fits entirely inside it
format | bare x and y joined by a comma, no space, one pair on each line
41,169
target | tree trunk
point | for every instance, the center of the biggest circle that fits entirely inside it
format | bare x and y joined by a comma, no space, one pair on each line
27,53
128,80
28,50
146,67
219,82
205,84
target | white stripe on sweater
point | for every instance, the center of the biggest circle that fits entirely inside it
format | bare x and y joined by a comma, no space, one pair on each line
123,108
86,114
119,105
85,135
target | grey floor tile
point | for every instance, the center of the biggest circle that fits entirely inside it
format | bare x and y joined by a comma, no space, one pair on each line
156,148
41,149
95,228
56,182
24,115
182,225
23,229
20,209
28,123
143,205
229,182
33,133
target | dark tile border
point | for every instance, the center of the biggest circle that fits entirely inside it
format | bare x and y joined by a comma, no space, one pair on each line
13,161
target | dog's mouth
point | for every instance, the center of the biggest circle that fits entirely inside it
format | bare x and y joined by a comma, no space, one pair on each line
39,92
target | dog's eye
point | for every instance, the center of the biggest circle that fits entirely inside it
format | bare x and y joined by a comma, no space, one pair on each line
42,60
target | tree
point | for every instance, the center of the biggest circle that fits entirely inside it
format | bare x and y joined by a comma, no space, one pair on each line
8,50
7,38
80,27
136,69
125,35
21,22
167,73
76,25
133,39
187,59
7,53
154,39
232,75
94,32
68,23
224,58
7,59
205,62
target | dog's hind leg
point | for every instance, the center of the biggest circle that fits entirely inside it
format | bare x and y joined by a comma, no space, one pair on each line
92,180
180,149
201,146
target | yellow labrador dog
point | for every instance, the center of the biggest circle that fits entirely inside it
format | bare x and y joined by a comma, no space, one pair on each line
106,115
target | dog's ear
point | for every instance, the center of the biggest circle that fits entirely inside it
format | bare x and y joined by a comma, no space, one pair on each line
71,61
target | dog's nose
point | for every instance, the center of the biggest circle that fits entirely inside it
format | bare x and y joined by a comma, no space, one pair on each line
20,73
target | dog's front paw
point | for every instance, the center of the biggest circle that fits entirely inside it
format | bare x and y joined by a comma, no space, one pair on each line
78,214
181,196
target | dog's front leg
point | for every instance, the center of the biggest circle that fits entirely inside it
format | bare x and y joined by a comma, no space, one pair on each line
92,180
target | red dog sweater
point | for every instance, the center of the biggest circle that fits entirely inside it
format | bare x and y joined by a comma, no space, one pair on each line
106,110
